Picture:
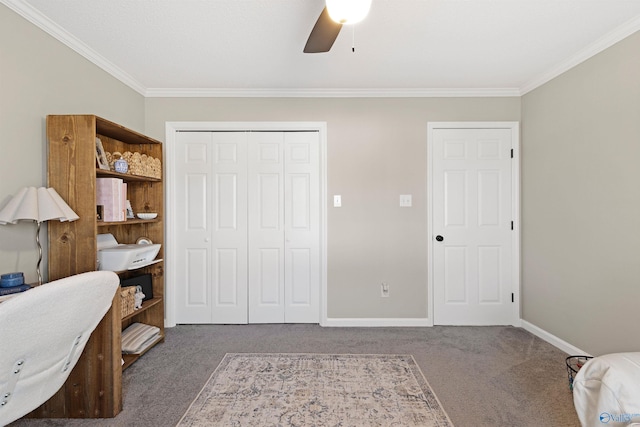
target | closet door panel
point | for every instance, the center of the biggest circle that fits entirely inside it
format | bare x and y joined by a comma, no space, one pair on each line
193,223
266,227
249,223
302,227
268,278
229,236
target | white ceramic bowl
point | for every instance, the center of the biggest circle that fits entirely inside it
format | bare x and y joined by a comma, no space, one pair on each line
147,215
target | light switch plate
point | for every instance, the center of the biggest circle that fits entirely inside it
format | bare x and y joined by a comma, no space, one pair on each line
337,201
405,201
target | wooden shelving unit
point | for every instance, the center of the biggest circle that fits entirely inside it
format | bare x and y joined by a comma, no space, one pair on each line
94,388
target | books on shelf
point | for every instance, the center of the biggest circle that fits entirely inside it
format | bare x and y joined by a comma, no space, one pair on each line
111,194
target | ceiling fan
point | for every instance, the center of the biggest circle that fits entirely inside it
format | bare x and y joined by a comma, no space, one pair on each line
335,14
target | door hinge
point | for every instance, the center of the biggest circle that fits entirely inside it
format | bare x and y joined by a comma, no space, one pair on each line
512,153
512,225
512,297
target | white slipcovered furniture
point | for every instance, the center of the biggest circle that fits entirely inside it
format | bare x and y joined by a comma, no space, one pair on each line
606,391
42,334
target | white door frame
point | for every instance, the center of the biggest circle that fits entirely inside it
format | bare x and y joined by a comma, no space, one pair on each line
171,129
515,181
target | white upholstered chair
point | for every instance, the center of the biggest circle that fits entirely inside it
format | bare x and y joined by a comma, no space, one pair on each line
606,391
42,334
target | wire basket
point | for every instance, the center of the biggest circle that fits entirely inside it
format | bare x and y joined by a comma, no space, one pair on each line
574,363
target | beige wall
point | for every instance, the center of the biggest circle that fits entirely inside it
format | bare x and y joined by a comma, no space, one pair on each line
580,175
376,151
40,76
581,203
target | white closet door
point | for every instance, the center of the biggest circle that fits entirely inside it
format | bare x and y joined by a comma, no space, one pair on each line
248,227
211,227
302,227
266,227
284,227
193,227
229,237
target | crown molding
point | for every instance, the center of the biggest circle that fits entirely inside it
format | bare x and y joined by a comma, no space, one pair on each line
329,93
47,25
41,21
619,34
34,16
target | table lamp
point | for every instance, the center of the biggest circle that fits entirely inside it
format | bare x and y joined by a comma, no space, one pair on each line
39,205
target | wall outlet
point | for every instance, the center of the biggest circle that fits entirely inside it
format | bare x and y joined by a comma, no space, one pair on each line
384,290
406,200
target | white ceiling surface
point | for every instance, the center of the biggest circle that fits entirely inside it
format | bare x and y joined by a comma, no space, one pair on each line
403,47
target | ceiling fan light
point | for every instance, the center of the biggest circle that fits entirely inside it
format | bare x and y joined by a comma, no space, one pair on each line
348,11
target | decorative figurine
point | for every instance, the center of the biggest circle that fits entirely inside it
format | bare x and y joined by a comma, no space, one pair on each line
138,297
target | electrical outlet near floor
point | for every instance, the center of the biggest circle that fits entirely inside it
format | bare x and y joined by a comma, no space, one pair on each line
384,289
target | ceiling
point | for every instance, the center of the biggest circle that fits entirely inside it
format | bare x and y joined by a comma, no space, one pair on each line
403,48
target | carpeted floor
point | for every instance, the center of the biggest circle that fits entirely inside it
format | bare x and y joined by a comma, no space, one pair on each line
483,376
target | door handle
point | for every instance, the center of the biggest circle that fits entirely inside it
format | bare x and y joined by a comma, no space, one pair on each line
439,238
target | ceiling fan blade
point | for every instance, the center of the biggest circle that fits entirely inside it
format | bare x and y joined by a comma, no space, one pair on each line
323,34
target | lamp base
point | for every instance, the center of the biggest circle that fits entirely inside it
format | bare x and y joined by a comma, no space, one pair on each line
39,253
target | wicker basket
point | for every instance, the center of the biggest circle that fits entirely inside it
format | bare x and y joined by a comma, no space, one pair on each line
127,300
138,164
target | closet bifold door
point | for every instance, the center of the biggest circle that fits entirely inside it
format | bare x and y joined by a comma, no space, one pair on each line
211,222
248,227
284,227
302,227
229,234
266,227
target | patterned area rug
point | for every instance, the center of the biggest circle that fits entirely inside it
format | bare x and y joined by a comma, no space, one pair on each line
316,390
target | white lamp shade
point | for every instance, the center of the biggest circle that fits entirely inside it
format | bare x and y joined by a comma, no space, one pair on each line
348,11
36,204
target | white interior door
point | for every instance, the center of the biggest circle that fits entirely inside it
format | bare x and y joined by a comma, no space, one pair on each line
302,227
247,227
230,228
266,224
284,227
472,214
211,227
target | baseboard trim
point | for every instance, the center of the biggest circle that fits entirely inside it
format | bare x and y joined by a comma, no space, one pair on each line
552,339
377,322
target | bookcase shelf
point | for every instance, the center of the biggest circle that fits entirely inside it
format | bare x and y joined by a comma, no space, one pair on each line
127,222
94,388
125,176
146,305
129,359
134,270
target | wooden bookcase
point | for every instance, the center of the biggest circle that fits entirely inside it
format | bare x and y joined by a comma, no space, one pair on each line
94,388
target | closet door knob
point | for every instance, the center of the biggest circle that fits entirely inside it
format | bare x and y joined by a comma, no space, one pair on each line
439,238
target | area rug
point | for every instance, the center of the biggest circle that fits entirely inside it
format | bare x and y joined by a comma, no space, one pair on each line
316,390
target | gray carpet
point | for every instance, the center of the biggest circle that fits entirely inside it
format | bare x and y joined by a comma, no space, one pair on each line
483,376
